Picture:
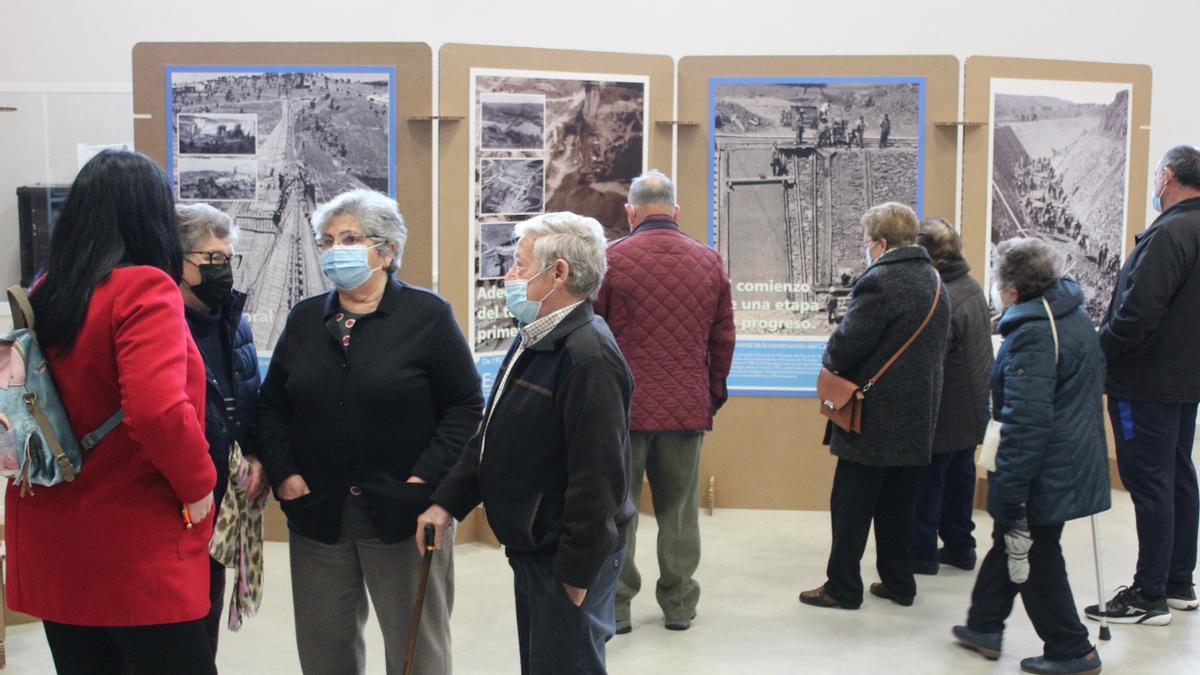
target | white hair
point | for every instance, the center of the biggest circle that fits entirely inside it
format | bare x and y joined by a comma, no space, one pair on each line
579,240
197,222
652,187
377,213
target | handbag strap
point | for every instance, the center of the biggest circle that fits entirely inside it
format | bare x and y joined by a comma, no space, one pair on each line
22,311
937,295
1053,326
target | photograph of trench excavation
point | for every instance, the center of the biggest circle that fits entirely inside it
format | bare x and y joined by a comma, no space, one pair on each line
794,168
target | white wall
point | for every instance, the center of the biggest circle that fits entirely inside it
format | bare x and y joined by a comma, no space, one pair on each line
82,45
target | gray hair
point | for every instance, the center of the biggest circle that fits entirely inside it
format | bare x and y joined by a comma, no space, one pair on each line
652,187
1184,162
1027,264
197,222
377,214
938,237
579,240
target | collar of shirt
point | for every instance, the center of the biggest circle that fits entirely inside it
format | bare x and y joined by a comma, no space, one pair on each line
537,330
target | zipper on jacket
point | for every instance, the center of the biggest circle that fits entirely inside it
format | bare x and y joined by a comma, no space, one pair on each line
533,512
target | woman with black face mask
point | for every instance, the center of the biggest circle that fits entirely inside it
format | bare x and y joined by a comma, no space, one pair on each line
214,314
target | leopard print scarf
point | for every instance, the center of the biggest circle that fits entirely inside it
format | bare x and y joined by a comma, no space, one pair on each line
237,540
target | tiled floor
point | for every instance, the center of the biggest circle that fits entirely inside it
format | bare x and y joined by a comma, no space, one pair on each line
754,564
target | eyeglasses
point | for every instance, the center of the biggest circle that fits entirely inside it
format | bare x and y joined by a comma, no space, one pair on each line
219,258
346,239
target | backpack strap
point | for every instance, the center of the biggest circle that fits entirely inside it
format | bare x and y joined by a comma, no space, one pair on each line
93,439
22,311
65,468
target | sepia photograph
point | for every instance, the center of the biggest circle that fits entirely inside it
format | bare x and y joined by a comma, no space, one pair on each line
796,163
511,186
512,121
317,132
218,178
497,249
1059,171
217,134
547,142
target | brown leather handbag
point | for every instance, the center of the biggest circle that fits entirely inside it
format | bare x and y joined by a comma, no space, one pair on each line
842,400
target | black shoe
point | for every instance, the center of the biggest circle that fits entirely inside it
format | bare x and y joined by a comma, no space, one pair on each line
965,561
880,591
925,567
679,624
1182,597
1130,606
987,644
1084,665
624,627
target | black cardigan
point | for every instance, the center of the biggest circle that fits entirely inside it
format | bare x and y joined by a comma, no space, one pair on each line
402,400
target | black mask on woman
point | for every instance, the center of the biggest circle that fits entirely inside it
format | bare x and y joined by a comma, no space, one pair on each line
216,282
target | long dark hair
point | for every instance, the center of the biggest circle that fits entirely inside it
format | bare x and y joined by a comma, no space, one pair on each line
119,212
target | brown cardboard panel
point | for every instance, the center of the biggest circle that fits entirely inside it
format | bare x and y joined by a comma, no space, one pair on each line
455,62
766,452
414,98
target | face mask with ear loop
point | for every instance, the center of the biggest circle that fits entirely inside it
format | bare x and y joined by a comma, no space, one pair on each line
347,266
516,299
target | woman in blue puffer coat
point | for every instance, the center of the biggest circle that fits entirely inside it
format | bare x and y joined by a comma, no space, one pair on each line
1051,463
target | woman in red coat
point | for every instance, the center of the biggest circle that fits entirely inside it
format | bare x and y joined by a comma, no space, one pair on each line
107,560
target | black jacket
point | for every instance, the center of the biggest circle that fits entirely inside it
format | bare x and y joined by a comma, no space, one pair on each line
402,400
962,416
554,476
887,305
1052,455
1151,334
222,430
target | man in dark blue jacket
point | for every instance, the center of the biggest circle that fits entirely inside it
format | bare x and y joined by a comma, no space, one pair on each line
551,460
1151,338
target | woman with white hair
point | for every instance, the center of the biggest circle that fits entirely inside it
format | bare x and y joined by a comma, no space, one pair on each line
369,399
551,461
213,310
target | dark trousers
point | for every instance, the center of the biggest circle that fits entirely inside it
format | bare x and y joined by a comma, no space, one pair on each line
169,649
1046,595
945,501
1154,457
216,595
554,635
862,494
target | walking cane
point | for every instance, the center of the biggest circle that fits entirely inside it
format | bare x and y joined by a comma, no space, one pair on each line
415,624
1103,606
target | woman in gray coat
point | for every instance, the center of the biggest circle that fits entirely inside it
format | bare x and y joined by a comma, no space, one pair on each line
878,469
946,495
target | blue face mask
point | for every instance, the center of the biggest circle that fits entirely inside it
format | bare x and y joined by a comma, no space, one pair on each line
516,299
347,266
1157,201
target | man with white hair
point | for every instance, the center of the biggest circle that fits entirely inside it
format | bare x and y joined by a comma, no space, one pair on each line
551,460
667,298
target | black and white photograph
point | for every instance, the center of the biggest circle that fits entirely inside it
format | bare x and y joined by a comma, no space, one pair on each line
497,249
796,163
511,186
317,133
217,134
1059,171
548,142
512,121
216,179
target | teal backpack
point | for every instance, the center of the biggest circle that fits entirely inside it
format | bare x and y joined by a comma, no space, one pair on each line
37,444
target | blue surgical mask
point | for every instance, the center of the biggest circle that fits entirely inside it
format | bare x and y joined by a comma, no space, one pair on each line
516,299
347,266
867,250
1157,201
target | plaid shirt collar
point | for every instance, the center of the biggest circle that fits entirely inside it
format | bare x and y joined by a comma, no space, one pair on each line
531,333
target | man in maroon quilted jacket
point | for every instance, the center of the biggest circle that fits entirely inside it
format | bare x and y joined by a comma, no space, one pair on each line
666,299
